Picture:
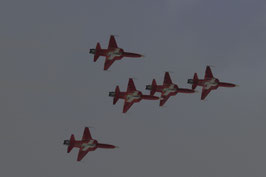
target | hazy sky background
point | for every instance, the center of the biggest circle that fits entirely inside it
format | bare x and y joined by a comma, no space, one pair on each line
50,87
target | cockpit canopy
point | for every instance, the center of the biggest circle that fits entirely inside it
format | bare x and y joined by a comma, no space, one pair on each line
118,51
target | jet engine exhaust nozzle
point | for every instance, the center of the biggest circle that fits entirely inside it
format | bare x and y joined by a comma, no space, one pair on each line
92,51
148,87
112,94
190,81
66,142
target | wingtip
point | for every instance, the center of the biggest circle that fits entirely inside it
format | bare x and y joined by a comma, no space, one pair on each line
130,79
90,127
114,35
169,72
211,66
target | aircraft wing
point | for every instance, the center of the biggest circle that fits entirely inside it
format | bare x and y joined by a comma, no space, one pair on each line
204,93
127,105
167,79
86,134
82,154
112,42
208,72
131,86
108,63
164,99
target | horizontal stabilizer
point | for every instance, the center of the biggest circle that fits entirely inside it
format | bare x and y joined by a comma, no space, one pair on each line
71,143
195,81
97,52
153,87
116,97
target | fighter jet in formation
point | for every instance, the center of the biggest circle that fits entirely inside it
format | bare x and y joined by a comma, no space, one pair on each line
167,89
111,54
131,96
208,84
86,145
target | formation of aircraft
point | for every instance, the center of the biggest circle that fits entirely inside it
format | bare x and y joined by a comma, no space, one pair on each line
208,84
111,54
167,89
85,145
131,96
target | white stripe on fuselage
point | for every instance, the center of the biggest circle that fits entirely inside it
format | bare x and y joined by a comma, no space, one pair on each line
210,83
168,90
114,53
89,145
131,97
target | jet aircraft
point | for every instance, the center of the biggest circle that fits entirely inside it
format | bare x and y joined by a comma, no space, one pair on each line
131,96
111,54
85,145
167,89
208,84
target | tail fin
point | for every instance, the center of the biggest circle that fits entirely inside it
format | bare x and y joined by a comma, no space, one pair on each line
195,81
71,143
117,92
153,87
96,55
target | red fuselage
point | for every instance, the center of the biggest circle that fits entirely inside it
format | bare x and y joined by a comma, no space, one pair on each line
171,90
131,96
166,90
213,83
135,96
91,145
208,84
116,53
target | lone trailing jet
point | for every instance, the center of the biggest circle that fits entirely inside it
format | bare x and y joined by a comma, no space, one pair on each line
208,84
131,96
167,89
85,145
112,53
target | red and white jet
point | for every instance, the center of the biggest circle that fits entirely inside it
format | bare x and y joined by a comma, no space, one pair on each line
131,96
167,89
112,53
86,145
208,84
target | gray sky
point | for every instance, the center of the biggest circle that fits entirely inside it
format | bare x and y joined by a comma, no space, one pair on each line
50,88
